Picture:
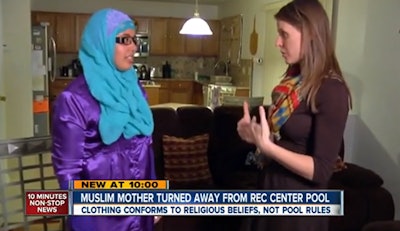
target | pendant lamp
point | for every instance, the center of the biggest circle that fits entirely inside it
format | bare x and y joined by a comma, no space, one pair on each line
196,25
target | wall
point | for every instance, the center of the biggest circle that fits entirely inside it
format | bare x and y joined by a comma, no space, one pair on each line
17,67
139,8
368,48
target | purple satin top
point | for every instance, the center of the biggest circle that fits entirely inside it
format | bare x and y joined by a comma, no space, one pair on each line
79,153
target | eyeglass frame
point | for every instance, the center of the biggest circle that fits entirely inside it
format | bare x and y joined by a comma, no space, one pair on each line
123,40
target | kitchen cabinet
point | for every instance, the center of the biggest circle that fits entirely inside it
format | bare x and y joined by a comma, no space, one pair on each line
210,44
242,92
67,29
55,89
65,32
193,45
153,94
57,86
81,20
38,17
168,91
177,91
142,24
204,45
198,93
165,38
62,28
158,36
164,91
181,92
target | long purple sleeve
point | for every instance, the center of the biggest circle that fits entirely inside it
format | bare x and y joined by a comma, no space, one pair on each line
79,153
68,139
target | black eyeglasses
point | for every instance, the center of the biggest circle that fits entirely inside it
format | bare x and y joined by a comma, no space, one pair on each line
127,40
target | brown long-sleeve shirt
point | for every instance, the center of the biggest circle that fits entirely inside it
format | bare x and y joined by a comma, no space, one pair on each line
315,134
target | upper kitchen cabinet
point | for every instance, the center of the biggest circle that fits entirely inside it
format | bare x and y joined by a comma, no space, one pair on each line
176,41
158,36
231,39
142,25
38,17
81,20
210,43
204,45
165,38
62,29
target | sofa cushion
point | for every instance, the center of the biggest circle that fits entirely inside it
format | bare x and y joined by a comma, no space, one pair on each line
358,177
186,161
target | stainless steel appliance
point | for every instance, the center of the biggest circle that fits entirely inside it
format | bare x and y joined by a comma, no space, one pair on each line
214,94
143,48
44,67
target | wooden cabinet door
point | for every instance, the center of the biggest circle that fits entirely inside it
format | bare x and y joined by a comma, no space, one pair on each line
210,43
242,92
158,37
176,41
181,92
163,91
65,32
164,95
193,45
38,17
56,87
198,97
80,23
142,25
153,95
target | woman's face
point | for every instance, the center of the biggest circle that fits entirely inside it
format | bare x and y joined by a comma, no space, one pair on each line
289,42
125,48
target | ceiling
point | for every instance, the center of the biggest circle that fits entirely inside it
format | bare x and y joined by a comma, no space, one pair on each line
200,2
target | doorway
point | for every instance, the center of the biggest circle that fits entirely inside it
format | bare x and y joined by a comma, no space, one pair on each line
2,88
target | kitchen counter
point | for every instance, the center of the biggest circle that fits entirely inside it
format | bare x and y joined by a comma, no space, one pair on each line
197,81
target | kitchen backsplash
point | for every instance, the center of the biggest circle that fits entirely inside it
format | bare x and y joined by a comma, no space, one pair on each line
185,67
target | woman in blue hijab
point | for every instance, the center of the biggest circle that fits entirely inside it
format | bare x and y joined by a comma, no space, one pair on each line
102,123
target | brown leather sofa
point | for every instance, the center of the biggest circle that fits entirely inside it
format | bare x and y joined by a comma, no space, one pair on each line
365,200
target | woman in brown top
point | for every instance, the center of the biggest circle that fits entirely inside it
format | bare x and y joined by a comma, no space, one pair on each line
303,134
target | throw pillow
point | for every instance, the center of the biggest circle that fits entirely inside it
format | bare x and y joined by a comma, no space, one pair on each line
186,161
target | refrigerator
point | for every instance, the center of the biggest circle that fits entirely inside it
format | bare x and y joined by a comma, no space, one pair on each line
44,67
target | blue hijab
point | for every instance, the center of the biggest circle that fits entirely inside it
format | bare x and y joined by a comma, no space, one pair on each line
124,109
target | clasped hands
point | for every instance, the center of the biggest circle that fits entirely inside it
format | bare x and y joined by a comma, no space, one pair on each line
252,132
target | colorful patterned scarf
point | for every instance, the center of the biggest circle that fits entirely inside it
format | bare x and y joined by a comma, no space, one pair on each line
285,99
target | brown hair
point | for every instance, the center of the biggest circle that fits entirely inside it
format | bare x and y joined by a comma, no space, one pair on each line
318,56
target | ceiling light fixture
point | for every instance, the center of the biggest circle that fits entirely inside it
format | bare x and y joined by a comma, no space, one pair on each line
196,25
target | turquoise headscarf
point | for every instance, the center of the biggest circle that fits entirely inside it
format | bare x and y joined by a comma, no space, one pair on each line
124,109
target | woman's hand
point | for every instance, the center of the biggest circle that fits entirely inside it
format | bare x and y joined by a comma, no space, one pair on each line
252,132
244,125
261,132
